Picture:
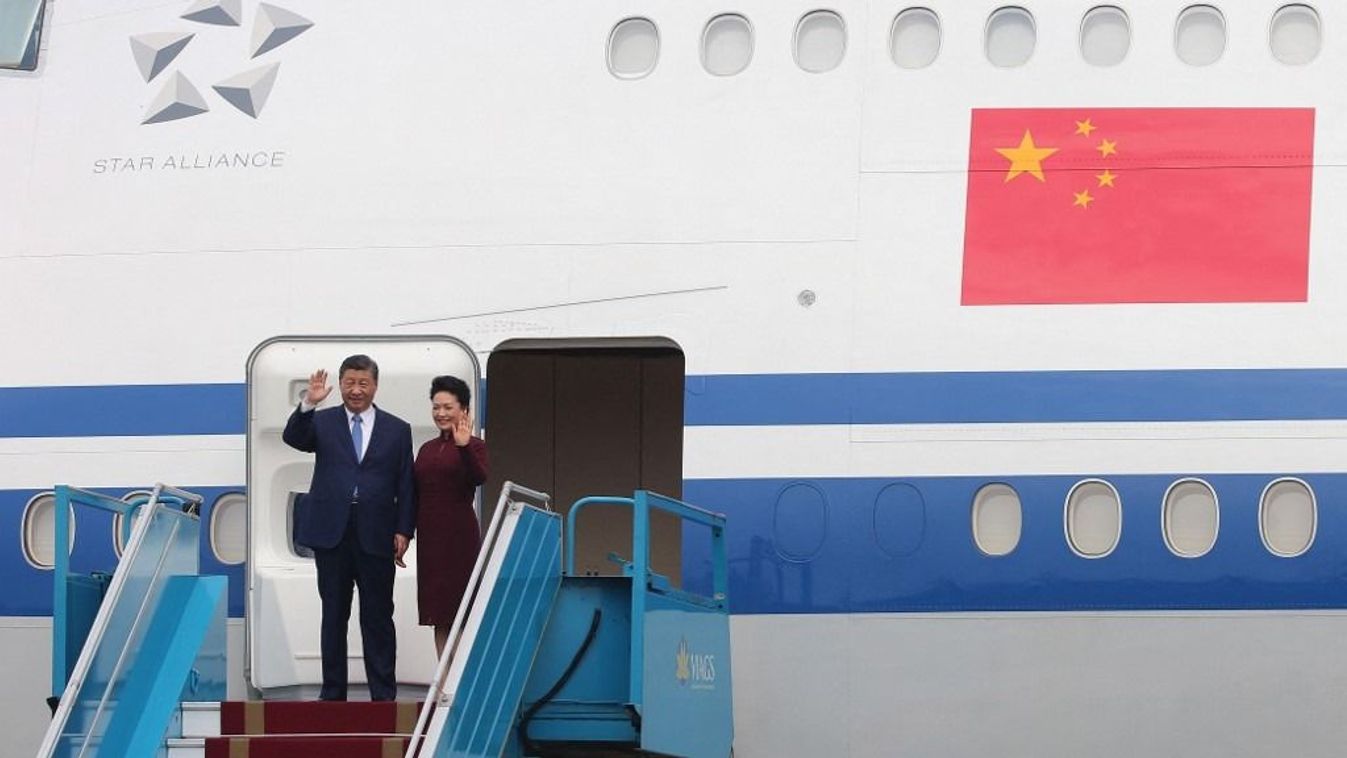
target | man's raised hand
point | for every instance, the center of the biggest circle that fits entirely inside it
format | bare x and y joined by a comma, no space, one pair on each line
318,389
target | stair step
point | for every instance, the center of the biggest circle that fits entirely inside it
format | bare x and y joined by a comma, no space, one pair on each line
289,746
306,717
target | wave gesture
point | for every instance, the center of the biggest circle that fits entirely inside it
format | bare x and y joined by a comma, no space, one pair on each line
318,389
463,429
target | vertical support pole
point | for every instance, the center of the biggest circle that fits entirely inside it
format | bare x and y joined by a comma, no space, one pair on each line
720,580
60,573
640,553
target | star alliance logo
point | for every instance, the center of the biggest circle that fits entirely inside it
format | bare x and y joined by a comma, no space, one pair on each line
247,91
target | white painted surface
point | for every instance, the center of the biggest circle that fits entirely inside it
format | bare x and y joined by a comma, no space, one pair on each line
1202,685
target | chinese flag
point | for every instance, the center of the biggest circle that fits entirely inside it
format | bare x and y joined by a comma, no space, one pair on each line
1138,205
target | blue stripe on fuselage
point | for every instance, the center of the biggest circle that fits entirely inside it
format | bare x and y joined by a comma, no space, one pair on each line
906,545
861,545
776,400
28,590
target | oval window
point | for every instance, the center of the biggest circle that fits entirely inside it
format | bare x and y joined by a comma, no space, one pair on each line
727,45
229,528
1295,36
914,39
1010,37
1093,518
1199,35
633,48
820,42
900,520
1105,36
1287,517
800,521
1191,518
997,519
39,531
121,533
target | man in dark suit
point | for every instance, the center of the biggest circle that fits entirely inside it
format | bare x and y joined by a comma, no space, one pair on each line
358,517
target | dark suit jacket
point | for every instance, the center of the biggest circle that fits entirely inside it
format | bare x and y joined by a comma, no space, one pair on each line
387,504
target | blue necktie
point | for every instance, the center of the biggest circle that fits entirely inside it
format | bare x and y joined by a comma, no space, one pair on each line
358,437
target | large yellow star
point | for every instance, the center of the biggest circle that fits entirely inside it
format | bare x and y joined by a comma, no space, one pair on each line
1085,127
1107,148
1083,198
1106,178
1027,158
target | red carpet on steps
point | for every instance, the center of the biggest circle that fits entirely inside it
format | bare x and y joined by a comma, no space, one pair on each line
315,717
301,747
331,730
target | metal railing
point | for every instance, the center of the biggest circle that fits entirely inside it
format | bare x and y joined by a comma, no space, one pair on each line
164,543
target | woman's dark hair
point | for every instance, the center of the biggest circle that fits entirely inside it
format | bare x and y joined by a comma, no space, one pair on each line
454,386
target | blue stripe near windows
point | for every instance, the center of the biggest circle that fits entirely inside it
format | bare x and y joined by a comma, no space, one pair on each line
1017,397
122,410
776,400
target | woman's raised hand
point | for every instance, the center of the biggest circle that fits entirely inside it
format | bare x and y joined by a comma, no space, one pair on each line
463,429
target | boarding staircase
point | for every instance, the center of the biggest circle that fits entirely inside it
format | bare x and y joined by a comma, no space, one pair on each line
540,661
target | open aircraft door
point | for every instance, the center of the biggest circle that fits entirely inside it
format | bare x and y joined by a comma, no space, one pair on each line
283,652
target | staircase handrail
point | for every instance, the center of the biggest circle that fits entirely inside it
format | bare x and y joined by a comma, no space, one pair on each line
435,695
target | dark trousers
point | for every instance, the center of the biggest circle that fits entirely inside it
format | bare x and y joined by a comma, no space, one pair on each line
339,571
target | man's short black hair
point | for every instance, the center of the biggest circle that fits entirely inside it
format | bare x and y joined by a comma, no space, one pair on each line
454,386
359,363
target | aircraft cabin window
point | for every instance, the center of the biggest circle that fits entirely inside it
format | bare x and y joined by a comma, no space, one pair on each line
229,528
121,537
914,39
39,531
1199,36
1295,36
1287,517
820,42
1191,518
727,45
1105,36
1093,518
633,48
21,33
1010,37
997,519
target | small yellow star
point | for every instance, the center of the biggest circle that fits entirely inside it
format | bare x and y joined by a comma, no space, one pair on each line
1106,178
1027,158
1085,127
1107,148
1083,198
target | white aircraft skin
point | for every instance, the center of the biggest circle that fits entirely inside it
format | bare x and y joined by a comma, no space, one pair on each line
479,170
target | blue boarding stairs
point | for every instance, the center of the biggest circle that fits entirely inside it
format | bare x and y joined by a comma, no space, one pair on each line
130,645
541,661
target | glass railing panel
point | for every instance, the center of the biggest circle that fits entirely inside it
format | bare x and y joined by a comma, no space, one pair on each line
164,544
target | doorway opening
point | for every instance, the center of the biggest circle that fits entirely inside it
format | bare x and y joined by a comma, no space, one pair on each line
591,417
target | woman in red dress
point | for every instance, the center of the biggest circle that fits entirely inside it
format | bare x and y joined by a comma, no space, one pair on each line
448,471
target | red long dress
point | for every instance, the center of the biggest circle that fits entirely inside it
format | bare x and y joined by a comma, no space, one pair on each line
449,537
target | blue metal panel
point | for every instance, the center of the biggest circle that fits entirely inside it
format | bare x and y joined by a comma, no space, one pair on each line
687,695
498,664
853,572
592,704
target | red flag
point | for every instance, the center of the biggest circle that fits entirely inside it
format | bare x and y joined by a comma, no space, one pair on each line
1138,205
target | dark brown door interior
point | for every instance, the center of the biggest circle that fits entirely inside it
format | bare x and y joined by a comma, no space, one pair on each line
591,420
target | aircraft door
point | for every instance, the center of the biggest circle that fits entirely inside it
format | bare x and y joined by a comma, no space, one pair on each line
283,647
